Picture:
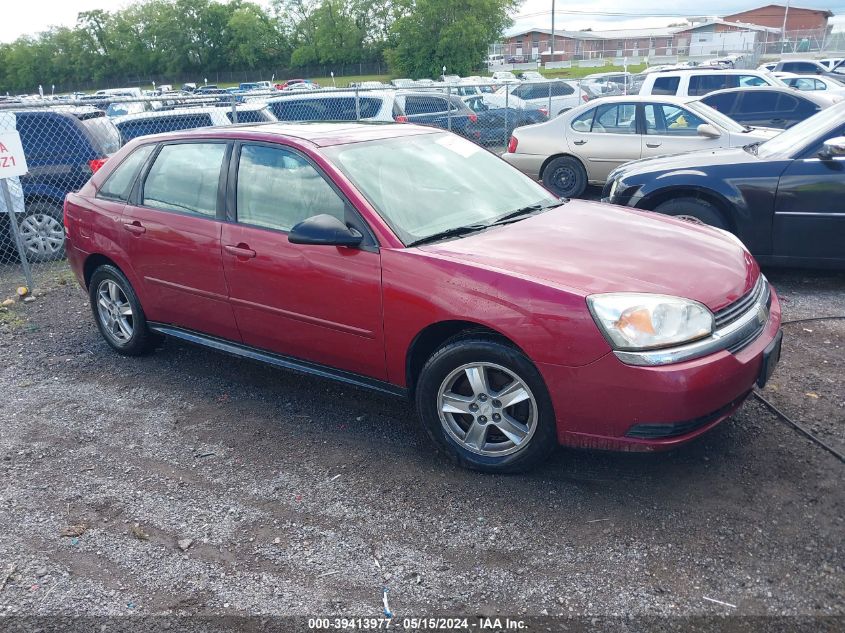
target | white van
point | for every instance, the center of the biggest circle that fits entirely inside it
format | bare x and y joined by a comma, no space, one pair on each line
496,60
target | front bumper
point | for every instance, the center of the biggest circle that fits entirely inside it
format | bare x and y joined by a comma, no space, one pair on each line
611,405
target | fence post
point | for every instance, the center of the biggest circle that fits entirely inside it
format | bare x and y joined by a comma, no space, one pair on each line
449,107
550,97
234,108
507,113
16,235
357,105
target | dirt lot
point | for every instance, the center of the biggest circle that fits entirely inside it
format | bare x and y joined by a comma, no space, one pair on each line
303,497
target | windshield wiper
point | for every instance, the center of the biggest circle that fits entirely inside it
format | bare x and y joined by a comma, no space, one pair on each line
526,211
512,216
456,232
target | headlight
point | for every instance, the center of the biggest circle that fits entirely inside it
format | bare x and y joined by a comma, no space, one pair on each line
634,321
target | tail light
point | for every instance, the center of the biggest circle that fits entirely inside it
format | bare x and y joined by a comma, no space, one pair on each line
585,97
400,118
544,111
473,118
512,143
96,164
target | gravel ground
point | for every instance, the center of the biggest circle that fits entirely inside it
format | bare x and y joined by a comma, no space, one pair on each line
187,482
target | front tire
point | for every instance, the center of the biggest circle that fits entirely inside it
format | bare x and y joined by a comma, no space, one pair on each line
693,209
485,404
118,312
566,177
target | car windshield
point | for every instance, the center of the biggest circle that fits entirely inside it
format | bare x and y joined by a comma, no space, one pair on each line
724,122
799,136
434,183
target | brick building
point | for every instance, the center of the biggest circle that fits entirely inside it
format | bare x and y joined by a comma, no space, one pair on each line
771,15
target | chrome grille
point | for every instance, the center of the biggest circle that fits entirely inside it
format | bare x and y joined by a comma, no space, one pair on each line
734,311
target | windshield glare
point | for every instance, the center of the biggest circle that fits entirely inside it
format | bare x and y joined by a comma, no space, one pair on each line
424,185
717,117
796,138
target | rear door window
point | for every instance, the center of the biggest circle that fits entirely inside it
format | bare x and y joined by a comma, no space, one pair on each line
666,86
749,81
703,84
120,181
424,105
185,178
617,118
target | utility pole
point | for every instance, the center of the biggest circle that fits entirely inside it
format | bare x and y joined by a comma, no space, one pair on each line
783,30
553,31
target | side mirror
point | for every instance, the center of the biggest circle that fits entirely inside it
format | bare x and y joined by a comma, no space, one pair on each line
833,148
324,230
708,131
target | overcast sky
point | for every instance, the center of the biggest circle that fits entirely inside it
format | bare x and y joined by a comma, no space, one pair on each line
31,16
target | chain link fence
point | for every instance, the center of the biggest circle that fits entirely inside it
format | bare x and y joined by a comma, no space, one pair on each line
67,139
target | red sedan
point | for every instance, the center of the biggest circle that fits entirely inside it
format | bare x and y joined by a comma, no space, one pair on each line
411,261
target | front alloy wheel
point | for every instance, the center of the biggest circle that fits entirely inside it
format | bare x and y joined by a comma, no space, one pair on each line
487,409
486,405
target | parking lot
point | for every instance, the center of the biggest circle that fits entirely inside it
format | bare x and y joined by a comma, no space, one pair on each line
190,482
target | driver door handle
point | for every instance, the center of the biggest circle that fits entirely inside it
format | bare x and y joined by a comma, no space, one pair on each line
241,250
578,142
653,145
134,227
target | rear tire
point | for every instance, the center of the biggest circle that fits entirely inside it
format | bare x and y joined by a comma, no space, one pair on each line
42,232
566,177
485,404
693,209
118,312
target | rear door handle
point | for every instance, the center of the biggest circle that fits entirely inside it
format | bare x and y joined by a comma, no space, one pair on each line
653,145
134,227
578,142
241,250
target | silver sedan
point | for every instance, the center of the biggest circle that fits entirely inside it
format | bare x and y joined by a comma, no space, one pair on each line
583,145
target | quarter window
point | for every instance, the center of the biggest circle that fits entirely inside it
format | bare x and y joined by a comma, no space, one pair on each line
278,189
666,86
185,178
119,182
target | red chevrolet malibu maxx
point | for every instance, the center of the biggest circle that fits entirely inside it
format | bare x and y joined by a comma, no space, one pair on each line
411,261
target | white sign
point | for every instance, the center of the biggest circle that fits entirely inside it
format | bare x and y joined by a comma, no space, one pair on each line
12,160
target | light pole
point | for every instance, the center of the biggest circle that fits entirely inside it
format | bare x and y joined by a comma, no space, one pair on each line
783,29
552,58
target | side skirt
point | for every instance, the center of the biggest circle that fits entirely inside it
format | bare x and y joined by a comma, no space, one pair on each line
278,360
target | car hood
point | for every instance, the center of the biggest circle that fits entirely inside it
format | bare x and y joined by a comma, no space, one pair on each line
589,248
692,160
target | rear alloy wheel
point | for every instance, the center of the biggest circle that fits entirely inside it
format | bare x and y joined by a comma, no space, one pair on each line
42,232
566,177
118,312
485,403
693,210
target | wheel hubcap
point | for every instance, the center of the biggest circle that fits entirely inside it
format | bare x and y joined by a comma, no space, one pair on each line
42,234
487,409
564,178
115,311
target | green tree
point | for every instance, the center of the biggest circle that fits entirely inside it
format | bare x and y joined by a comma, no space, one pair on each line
437,33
